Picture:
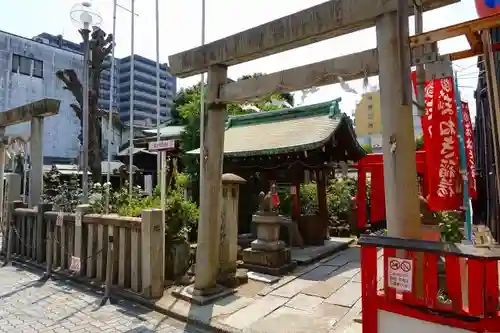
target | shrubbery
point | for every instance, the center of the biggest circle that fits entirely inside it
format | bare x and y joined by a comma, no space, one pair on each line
181,215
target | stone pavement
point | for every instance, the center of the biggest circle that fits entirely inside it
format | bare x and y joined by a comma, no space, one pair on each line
323,297
27,305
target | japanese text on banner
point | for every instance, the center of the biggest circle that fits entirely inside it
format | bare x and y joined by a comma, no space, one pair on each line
447,194
431,149
469,150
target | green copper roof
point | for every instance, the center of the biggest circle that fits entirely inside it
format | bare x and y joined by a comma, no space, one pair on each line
282,131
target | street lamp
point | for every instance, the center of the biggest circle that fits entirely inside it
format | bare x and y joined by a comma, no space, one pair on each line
85,17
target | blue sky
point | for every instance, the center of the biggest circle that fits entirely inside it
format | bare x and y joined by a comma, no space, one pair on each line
180,29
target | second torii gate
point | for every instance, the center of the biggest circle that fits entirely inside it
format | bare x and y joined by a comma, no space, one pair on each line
391,61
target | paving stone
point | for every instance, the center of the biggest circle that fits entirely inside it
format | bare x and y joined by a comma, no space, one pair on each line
293,288
357,278
304,302
333,311
325,288
319,274
297,321
56,306
349,270
347,295
339,260
255,311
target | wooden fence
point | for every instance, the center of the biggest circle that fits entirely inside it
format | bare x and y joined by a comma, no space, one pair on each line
119,251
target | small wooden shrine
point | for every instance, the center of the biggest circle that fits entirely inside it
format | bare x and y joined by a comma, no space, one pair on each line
289,147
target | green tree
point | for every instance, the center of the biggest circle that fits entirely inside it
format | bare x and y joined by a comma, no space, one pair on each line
367,148
419,142
186,112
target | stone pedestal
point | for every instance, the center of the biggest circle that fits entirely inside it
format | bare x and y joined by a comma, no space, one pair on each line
268,254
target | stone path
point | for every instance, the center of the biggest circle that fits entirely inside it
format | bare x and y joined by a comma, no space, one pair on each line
323,297
27,305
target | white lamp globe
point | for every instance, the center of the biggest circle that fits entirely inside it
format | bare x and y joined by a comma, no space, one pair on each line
85,16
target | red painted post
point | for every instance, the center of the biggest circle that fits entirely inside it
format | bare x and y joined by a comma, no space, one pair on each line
361,198
430,279
491,288
476,287
454,282
369,289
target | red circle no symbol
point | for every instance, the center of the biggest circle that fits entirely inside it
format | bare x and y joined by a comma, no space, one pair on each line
394,265
405,267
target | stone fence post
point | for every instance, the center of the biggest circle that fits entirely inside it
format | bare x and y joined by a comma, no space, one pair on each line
80,250
11,193
153,253
228,252
41,232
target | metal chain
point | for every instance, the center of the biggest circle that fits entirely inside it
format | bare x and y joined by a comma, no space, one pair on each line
63,247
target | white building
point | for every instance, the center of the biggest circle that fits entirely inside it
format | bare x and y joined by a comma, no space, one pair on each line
27,74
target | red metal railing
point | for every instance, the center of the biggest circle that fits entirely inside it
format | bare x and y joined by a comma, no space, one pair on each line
468,298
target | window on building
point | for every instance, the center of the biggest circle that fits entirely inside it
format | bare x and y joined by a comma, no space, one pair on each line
27,66
370,106
370,115
38,68
15,63
370,125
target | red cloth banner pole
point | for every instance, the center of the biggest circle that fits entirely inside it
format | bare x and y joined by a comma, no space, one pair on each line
469,150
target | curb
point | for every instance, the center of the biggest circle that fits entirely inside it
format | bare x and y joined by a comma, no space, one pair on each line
336,250
120,294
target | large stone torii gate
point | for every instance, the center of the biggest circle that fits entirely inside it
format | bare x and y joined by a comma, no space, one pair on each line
390,60
35,113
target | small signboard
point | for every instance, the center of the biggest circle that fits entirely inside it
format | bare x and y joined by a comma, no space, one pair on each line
400,274
78,219
164,145
59,219
75,264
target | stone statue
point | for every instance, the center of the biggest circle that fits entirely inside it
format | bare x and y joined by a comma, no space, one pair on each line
266,206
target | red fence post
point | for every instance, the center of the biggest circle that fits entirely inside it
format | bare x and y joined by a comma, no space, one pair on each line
430,279
476,287
491,288
369,288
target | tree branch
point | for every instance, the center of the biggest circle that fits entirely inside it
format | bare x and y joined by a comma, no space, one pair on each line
77,109
72,83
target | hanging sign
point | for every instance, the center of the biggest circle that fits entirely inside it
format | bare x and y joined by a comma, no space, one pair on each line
400,274
469,150
75,264
162,145
447,195
427,129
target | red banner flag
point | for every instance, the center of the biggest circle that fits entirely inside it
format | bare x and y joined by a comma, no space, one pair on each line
432,150
469,150
447,195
